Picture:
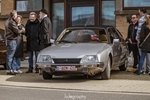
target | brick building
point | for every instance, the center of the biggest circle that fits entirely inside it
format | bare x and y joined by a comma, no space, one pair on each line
65,13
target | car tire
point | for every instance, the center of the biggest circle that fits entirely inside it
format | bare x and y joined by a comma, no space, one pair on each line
124,66
46,75
106,73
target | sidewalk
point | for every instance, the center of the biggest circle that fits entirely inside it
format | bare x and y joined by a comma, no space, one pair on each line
113,85
121,81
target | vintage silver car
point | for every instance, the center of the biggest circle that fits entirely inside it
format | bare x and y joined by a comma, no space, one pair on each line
85,50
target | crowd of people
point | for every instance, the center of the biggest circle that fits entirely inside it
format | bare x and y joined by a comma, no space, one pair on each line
38,32
139,39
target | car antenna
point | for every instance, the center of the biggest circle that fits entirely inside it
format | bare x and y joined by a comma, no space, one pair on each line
87,21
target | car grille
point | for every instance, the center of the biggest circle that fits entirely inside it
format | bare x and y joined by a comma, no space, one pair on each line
66,61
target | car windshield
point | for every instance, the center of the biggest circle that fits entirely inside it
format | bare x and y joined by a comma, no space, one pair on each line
76,36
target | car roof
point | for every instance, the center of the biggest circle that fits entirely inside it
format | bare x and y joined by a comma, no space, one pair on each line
90,27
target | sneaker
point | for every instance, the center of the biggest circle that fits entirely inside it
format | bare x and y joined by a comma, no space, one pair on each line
19,71
29,71
143,72
138,73
10,72
148,73
16,72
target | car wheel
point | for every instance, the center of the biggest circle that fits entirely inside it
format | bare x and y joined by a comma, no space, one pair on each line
106,73
46,75
124,66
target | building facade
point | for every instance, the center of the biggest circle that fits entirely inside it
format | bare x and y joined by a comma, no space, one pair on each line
66,13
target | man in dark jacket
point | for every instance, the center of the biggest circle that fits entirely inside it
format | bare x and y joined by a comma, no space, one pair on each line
12,32
32,29
132,30
45,33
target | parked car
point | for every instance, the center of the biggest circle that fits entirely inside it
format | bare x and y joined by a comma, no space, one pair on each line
85,50
3,49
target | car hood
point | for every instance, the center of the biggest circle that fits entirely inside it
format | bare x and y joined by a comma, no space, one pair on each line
76,50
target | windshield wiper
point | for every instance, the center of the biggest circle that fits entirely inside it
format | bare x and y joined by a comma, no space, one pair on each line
67,41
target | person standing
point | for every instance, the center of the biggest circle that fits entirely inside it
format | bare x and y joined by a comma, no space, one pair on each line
11,33
142,13
45,33
33,47
145,30
19,49
132,30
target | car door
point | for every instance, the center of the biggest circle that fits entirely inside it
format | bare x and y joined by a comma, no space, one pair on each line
124,47
114,40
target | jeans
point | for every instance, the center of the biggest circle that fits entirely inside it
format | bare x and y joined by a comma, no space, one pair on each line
30,60
17,63
147,68
142,58
11,48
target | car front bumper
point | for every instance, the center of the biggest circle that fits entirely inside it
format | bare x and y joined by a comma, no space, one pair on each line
89,69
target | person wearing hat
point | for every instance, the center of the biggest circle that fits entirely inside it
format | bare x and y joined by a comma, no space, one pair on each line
45,32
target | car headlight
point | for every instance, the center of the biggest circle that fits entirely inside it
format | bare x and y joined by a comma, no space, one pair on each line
45,58
89,58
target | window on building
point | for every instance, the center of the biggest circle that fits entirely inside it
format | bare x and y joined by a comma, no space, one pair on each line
136,3
29,5
0,6
82,16
108,16
58,18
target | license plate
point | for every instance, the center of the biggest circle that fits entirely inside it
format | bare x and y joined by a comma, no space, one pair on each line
65,68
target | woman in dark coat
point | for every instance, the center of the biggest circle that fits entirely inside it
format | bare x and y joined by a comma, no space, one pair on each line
32,29
146,48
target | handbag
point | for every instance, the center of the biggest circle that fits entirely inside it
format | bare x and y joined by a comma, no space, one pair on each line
19,49
141,45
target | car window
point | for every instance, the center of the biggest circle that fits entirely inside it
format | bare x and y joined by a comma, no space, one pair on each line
114,33
111,35
119,34
84,35
103,36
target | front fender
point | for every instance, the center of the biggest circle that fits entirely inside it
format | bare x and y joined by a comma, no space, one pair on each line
104,55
